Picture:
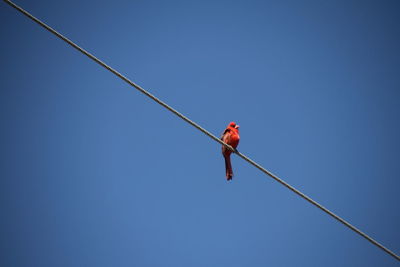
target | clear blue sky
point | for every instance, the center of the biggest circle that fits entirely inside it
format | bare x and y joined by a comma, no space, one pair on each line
95,174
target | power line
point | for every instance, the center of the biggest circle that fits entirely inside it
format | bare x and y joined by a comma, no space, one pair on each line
83,51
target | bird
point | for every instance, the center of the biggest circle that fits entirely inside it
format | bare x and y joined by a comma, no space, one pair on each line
231,137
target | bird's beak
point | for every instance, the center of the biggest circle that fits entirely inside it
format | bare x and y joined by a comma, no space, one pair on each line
237,126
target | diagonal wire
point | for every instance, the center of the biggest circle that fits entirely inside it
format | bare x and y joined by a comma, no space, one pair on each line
180,115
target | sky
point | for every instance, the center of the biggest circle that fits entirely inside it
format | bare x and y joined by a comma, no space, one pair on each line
93,173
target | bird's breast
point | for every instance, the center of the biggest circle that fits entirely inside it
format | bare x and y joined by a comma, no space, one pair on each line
234,140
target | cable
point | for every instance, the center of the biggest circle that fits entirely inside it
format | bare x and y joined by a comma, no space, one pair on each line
180,115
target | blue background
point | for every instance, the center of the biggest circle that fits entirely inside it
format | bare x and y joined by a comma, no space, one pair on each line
93,173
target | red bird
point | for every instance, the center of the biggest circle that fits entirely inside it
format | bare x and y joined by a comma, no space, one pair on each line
230,137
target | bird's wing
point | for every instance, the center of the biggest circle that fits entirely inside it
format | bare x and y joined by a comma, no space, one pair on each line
227,130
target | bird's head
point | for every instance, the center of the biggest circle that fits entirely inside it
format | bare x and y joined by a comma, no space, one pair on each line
234,125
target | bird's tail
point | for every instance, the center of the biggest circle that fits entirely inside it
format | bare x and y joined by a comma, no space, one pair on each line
228,167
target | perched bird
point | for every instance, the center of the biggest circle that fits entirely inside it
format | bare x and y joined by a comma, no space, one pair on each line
231,137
